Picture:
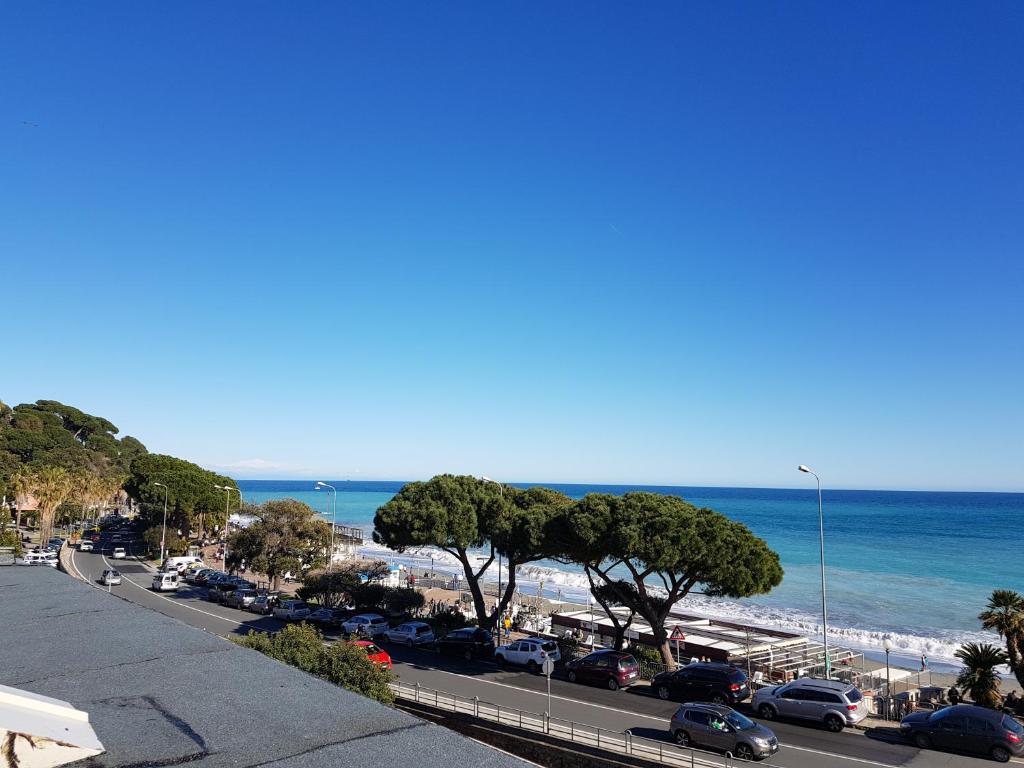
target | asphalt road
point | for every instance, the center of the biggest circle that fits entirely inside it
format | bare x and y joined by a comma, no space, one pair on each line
802,745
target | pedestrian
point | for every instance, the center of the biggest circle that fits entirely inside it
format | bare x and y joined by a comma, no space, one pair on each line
953,695
508,627
1011,702
924,663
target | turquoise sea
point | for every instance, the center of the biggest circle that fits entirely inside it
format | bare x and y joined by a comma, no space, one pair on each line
918,566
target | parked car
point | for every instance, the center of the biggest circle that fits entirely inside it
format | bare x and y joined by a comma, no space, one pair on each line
410,633
291,610
369,624
612,669
85,545
375,653
529,652
209,579
193,575
179,563
119,553
469,643
724,729
966,728
325,617
707,681
110,578
165,582
831,702
240,598
36,558
55,543
263,604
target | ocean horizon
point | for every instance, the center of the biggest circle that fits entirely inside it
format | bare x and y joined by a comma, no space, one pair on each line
917,566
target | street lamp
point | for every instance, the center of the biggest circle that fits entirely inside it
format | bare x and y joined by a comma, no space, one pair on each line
163,533
821,534
334,516
501,493
887,644
227,514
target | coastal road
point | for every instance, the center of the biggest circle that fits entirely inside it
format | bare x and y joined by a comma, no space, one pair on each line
802,746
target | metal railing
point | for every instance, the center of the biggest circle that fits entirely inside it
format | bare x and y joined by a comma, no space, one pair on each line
618,742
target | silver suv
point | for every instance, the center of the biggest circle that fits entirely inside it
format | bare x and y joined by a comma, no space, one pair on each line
724,729
831,702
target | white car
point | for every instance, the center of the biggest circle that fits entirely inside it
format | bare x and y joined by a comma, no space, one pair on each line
37,558
366,624
411,633
85,545
291,610
119,553
165,581
529,652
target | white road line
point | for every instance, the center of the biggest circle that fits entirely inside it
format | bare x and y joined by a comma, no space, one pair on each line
177,602
661,720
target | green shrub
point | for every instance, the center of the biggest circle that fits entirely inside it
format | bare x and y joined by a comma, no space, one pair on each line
344,664
10,539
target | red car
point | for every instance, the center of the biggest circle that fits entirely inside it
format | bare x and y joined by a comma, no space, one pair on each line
375,653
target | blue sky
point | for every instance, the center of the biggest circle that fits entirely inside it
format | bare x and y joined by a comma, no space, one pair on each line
693,243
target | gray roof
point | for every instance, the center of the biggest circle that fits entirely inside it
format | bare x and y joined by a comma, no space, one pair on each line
159,692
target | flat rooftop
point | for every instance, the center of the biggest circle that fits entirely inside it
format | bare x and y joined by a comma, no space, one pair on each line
161,693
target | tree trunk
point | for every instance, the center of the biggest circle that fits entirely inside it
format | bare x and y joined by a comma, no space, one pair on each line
666,650
506,597
473,584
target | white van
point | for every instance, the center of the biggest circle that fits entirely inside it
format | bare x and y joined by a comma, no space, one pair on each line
179,564
165,582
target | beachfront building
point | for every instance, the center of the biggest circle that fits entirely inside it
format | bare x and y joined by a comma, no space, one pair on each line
347,541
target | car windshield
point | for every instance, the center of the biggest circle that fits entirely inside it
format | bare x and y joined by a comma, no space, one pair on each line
739,722
371,649
549,646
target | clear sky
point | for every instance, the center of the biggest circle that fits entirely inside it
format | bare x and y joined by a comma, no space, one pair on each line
693,243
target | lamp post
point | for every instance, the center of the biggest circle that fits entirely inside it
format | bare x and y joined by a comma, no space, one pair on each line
821,539
501,493
163,533
227,515
887,644
590,600
334,515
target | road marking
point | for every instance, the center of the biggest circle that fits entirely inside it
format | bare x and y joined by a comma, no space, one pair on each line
661,720
178,603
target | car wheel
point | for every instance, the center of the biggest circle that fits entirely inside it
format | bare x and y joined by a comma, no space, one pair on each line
663,692
408,643
613,684
921,741
500,659
468,655
766,712
744,752
834,723
1000,754
532,667
571,676
682,738
718,699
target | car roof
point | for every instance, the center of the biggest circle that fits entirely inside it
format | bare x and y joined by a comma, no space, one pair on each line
717,709
822,683
976,711
610,652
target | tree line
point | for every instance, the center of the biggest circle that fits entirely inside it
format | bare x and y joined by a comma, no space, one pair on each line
641,551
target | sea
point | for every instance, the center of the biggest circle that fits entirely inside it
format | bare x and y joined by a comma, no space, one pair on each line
915,566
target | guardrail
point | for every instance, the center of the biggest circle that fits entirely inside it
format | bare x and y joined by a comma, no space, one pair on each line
617,742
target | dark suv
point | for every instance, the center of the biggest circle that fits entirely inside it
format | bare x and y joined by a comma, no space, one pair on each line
469,643
612,669
966,728
709,681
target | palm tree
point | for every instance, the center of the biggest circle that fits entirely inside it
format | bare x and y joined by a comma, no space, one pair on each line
51,486
21,482
1005,615
978,676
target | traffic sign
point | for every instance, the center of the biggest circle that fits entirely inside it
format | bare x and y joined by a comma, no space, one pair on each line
677,633
548,666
